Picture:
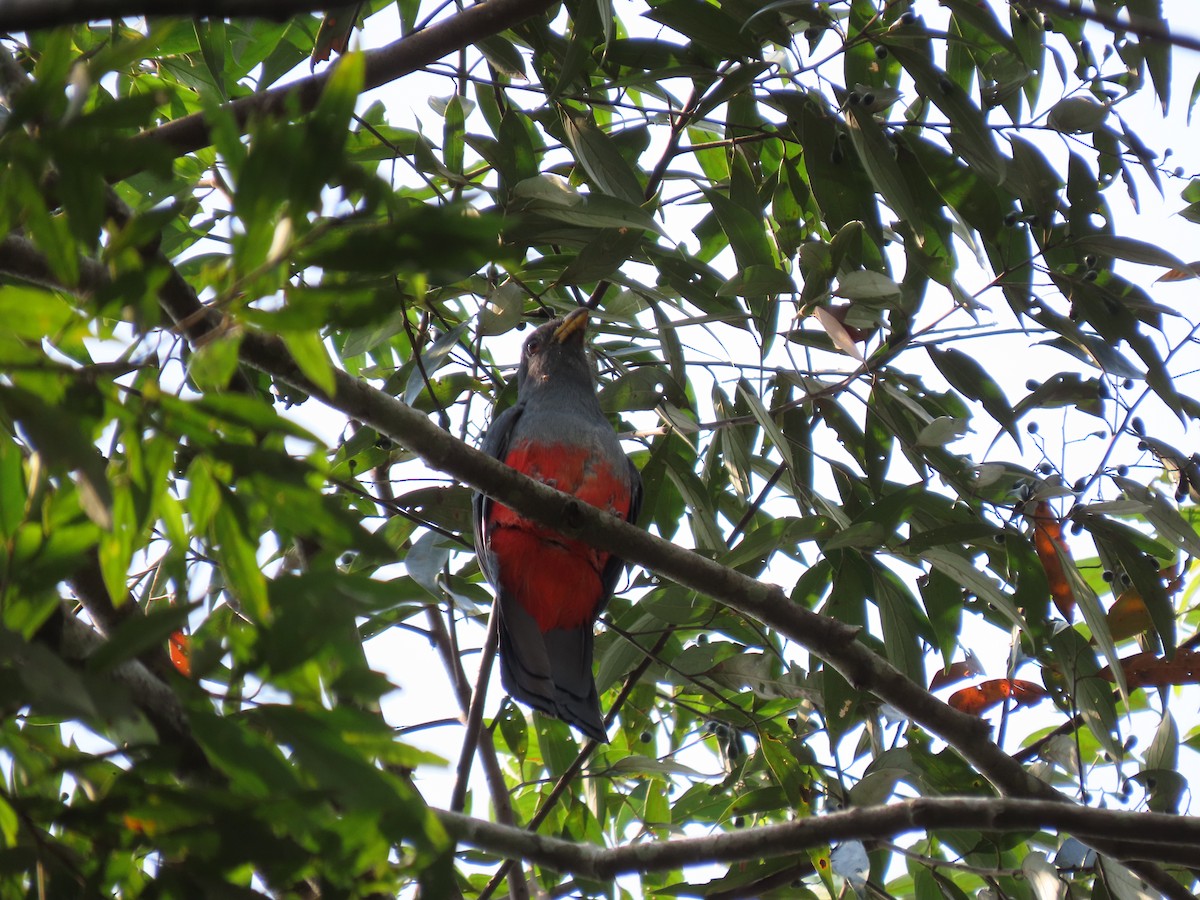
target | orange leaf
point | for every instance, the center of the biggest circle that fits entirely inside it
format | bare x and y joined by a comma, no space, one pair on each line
1129,616
180,649
1149,670
144,826
955,672
979,698
1048,541
1181,274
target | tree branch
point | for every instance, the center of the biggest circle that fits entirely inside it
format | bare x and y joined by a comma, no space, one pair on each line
400,58
26,15
869,823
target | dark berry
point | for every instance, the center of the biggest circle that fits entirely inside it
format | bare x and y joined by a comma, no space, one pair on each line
1127,383
1137,425
1032,427
1122,470
1031,385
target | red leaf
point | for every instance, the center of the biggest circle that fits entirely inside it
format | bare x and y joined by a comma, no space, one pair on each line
1149,670
956,672
180,649
979,698
1048,541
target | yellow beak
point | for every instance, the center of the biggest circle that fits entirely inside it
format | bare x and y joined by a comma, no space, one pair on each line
574,321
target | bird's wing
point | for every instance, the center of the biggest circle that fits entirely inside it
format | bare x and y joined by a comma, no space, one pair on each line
495,443
613,568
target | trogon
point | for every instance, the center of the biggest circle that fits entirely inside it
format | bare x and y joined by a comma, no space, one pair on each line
550,588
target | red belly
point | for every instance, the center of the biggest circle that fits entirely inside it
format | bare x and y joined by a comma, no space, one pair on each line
555,578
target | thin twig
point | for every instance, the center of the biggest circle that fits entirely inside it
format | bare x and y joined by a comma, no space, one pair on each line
475,713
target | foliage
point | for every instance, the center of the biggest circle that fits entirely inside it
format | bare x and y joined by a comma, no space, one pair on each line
779,213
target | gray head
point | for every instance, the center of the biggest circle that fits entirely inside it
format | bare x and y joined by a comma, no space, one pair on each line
554,359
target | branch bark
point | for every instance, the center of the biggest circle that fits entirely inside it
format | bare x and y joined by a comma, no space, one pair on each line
868,823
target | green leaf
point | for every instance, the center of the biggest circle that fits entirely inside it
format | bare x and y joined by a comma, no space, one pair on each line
308,350
604,164
865,286
237,555
903,625
756,280
960,569
706,26
969,133
1131,249
745,230
213,363
879,159
968,377
600,211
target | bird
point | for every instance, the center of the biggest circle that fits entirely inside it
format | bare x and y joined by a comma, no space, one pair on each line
550,588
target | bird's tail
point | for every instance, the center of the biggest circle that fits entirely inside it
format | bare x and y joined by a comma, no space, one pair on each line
570,653
551,671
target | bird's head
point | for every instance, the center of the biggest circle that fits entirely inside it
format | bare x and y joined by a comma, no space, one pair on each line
556,353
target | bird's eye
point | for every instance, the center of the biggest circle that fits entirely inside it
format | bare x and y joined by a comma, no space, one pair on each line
533,346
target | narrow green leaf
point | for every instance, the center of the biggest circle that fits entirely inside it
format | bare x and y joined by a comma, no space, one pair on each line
308,350
746,231
968,377
961,570
604,164
879,159
237,556
1093,614
1131,249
